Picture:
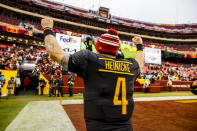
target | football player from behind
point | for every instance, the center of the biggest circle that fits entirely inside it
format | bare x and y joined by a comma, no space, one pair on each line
109,82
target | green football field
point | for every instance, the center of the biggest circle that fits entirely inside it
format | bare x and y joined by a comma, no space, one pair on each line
11,107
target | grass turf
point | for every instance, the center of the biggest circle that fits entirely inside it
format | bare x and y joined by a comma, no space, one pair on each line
11,107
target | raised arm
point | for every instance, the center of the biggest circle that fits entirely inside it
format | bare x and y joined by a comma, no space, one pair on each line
53,48
139,55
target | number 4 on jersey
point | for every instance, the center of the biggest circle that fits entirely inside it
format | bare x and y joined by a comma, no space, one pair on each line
124,101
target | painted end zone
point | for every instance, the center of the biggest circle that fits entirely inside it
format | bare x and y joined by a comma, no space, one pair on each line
188,101
149,116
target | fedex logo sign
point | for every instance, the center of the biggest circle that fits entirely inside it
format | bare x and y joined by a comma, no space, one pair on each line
69,44
68,39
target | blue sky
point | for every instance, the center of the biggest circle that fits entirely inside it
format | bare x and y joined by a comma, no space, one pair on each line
156,11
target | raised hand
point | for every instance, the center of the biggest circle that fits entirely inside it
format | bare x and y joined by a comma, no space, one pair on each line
47,23
137,40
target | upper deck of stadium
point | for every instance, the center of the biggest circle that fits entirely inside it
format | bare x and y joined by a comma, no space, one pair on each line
93,22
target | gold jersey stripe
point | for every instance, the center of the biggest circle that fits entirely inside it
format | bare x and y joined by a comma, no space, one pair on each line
115,60
115,72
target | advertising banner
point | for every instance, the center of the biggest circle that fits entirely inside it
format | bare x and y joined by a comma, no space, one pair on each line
152,55
69,44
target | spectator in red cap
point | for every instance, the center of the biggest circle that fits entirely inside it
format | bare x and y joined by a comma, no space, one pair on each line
108,94
26,82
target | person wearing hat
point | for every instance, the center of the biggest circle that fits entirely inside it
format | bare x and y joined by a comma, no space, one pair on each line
193,87
10,86
2,82
108,92
146,86
42,83
169,85
70,84
17,84
89,41
51,84
60,84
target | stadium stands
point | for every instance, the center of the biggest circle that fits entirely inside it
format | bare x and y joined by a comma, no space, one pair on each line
93,18
177,42
13,56
171,28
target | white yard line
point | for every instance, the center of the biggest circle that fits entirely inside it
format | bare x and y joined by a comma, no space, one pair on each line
165,98
50,115
42,116
65,102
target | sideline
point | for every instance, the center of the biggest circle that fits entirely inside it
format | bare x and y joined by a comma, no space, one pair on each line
65,102
50,115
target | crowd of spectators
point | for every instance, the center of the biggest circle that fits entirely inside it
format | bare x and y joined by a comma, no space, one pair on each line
169,71
11,57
